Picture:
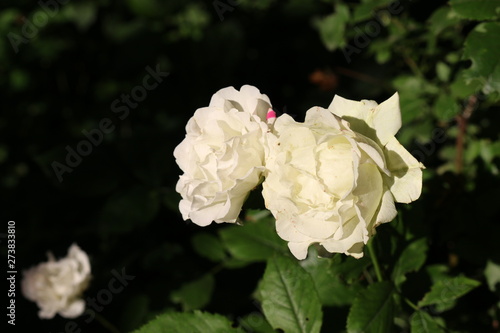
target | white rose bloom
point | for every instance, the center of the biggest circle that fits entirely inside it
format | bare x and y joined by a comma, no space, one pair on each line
331,181
223,155
57,286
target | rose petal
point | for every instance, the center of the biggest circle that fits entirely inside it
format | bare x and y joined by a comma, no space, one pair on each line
248,99
378,122
406,171
74,309
335,166
299,250
387,119
353,233
359,114
368,191
387,211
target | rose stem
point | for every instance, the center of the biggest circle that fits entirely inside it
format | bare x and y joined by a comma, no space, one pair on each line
411,304
373,257
106,323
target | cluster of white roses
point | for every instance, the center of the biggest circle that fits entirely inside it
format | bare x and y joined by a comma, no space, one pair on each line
330,180
57,286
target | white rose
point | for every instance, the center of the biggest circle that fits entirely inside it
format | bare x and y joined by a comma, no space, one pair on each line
331,181
57,286
222,156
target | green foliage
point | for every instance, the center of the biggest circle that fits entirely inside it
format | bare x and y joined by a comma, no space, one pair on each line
373,310
256,241
476,9
410,260
492,274
422,322
444,292
366,9
446,107
289,300
332,27
337,281
208,246
483,49
197,322
195,294
255,322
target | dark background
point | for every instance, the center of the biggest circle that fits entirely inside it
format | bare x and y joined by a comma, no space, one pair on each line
119,204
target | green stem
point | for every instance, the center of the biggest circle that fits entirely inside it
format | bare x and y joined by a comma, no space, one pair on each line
411,304
106,323
373,257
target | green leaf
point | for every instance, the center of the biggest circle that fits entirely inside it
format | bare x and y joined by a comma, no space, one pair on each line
349,268
422,322
411,107
195,294
255,241
410,260
208,246
332,27
443,71
446,291
492,274
445,107
337,282
289,300
460,89
411,90
383,55
255,322
197,322
191,22
441,19
420,131
473,151
415,85
233,263
482,47
476,9
373,310
368,9
82,14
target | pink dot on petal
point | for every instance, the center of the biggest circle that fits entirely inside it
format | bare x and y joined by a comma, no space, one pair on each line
270,114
